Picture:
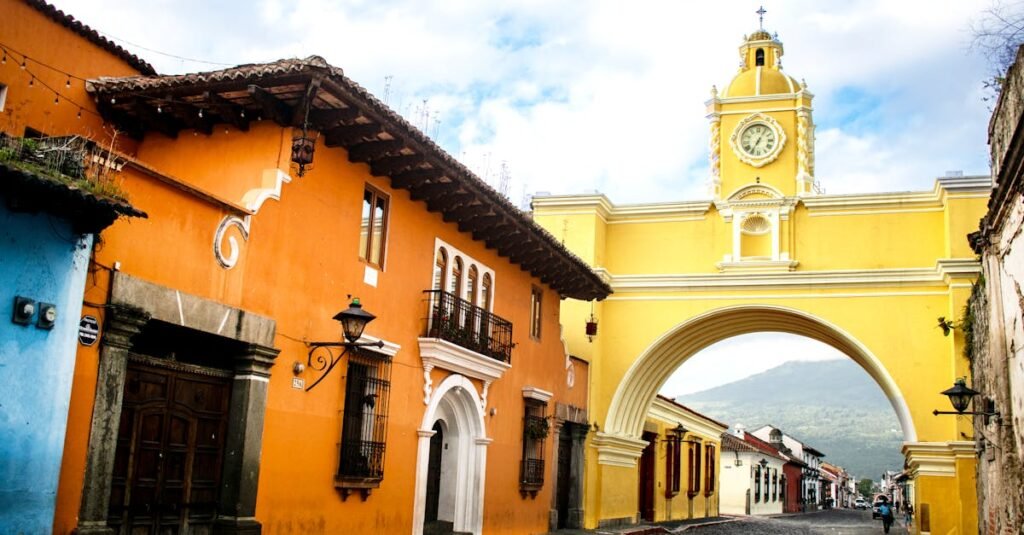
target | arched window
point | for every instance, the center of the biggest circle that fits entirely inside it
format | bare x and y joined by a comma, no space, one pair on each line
440,268
471,286
485,292
456,282
759,57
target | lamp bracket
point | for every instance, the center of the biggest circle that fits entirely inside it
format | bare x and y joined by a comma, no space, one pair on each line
317,361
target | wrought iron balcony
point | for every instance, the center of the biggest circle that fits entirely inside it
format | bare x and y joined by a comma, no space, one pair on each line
531,474
462,323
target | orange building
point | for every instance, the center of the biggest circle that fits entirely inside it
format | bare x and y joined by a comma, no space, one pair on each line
220,397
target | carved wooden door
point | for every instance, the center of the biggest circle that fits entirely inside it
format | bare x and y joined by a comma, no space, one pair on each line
170,447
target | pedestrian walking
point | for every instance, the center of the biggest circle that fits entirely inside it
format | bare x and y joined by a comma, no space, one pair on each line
908,513
886,511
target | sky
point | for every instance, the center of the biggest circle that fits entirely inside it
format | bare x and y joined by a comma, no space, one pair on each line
606,95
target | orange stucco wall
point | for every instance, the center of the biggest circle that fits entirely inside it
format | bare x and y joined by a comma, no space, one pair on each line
297,267
27,32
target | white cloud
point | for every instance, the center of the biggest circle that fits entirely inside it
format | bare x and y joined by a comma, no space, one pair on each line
609,95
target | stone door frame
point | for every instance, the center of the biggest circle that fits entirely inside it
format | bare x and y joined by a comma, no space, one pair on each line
133,304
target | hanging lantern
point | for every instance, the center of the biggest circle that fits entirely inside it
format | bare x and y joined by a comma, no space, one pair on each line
303,144
591,328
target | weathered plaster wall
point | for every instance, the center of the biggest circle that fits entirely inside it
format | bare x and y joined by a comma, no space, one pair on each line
41,259
997,313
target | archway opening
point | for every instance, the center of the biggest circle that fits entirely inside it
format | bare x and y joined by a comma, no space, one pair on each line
652,369
787,392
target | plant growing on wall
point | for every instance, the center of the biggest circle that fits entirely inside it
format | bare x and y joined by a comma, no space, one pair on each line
536,428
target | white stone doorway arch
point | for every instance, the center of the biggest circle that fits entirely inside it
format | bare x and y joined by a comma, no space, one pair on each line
456,404
619,442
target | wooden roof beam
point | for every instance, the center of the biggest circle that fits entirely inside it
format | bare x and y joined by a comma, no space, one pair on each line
394,164
300,112
414,177
273,109
194,117
329,118
465,213
343,136
482,222
232,113
448,201
161,122
426,192
373,150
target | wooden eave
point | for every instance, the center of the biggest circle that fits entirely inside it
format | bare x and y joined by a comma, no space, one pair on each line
311,92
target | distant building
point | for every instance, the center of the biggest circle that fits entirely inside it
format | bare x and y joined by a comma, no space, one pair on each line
679,468
811,490
753,475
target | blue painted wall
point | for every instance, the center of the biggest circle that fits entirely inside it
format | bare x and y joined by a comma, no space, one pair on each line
42,259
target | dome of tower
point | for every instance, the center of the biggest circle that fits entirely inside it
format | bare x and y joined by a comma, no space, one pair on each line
765,81
760,69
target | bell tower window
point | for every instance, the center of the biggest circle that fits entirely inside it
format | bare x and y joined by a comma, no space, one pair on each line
759,57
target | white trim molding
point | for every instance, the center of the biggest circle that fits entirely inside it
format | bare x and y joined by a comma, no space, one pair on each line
532,392
733,279
272,181
936,458
617,450
438,353
694,422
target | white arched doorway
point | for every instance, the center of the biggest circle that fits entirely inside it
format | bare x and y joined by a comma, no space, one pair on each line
619,442
456,409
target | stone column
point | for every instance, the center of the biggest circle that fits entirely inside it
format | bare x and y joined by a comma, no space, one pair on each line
123,322
244,442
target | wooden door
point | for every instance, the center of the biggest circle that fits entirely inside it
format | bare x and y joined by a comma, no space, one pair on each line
170,446
564,476
434,473
647,477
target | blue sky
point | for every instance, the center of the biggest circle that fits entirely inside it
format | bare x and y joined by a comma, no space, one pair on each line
609,95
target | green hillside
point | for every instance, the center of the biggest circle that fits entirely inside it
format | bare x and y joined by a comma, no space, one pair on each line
834,406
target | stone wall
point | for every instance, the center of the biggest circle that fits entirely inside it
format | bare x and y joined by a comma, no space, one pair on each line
996,321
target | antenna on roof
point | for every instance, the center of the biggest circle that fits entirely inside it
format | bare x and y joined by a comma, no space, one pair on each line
387,88
504,177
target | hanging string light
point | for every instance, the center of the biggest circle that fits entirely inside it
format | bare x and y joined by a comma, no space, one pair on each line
32,81
3,61
67,84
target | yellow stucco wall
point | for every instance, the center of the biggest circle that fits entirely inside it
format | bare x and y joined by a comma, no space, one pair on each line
867,273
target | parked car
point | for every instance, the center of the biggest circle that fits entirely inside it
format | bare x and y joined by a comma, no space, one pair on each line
875,513
860,503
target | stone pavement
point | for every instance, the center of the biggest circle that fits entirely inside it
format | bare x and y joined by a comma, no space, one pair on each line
832,522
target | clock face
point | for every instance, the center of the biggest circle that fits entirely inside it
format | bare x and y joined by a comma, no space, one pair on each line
758,140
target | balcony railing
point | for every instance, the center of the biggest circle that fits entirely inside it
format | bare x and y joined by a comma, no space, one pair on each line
462,323
531,473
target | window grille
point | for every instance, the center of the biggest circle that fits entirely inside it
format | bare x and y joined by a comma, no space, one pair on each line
364,420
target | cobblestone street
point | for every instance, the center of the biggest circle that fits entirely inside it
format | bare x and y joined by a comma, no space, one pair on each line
835,522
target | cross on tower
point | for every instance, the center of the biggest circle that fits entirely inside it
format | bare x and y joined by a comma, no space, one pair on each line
760,15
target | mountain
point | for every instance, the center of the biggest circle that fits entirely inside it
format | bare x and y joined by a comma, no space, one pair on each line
833,406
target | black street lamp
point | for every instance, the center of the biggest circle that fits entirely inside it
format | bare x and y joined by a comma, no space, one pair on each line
353,320
960,396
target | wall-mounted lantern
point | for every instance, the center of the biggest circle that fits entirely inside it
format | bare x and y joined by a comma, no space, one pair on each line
303,145
763,463
960,396
353,320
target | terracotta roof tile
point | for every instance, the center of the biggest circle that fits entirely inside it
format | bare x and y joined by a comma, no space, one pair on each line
92,35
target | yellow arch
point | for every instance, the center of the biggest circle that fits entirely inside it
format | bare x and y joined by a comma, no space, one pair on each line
648,373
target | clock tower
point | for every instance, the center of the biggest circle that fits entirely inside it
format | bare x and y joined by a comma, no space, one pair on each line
762,155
